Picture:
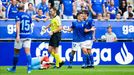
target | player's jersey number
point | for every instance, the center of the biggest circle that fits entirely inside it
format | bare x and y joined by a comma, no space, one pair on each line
25,25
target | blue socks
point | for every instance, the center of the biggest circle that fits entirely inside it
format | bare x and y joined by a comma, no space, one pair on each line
88,59
71,57
15,60
29,60
91,61
85,56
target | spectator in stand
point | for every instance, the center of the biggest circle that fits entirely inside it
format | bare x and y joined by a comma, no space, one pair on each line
31,10
99,17
18,2
97,6
123,7
76,8
130,16
84,5
129,10
112,10
32,1
44,7
130,3
79,6
1,13
56,4
12,10
37,2
107,3
118,17
107,17
5,3
40,16
67,9
109,36
116,3
25,2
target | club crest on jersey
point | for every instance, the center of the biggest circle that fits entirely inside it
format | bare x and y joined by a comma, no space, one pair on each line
82,25
70,2
86,23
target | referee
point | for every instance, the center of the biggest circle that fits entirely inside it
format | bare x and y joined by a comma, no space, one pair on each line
55,33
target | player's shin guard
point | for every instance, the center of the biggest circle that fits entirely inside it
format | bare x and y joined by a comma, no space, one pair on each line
15,60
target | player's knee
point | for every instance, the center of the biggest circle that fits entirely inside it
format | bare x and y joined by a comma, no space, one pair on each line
27,51
84,50
89,50
73,52
16,51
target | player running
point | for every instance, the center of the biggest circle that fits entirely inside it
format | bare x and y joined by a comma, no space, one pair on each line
23,32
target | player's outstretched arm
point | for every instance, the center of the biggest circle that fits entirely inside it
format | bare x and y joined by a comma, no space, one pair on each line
69,29
88,30
46,27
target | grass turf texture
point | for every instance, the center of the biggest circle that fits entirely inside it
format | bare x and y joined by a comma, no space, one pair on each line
76,70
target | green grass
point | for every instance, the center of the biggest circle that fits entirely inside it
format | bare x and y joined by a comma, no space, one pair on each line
76,70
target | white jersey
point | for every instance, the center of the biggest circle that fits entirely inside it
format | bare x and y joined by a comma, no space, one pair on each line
110,37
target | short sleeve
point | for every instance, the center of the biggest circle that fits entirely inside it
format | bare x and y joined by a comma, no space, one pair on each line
72,25
30,20
92,23
58,20
91,1
17,18
114,35
43,16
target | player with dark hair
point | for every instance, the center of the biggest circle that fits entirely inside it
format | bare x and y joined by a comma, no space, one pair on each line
89,30
78,36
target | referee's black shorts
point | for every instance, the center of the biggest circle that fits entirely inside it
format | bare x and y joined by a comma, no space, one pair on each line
55,39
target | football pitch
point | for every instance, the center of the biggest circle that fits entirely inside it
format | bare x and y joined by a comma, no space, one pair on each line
76,70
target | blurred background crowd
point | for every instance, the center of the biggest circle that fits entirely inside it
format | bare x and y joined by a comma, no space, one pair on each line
67,9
